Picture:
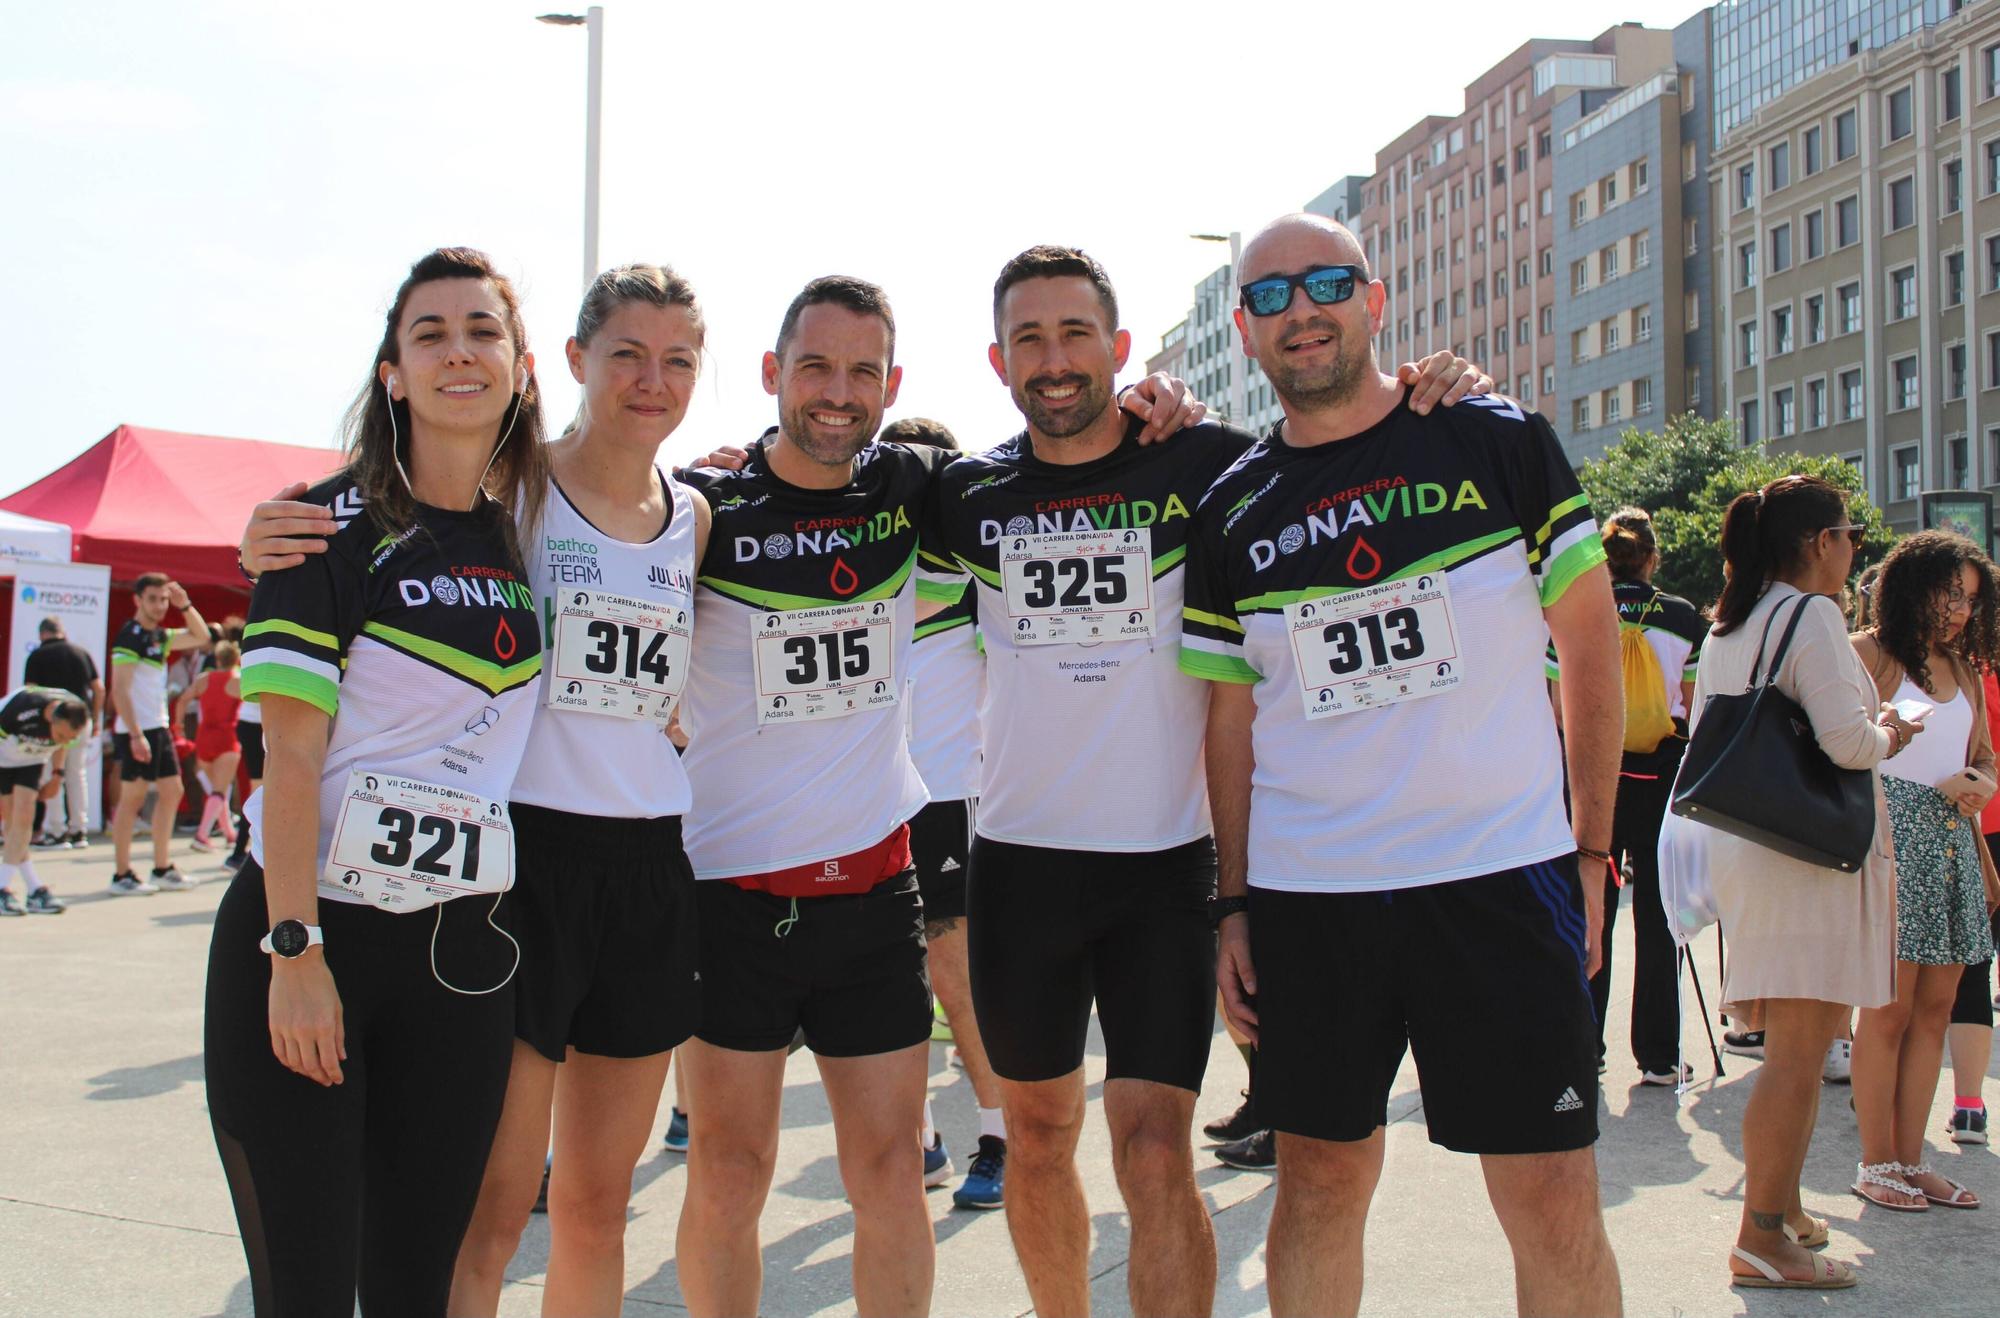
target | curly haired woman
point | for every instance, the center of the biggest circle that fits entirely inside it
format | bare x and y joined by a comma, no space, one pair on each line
1935,629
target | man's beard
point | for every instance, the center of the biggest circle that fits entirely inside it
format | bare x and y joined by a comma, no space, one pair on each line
1092,397
829,449
1321,386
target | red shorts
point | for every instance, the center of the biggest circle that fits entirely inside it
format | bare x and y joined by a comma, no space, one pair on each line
857,872
211,744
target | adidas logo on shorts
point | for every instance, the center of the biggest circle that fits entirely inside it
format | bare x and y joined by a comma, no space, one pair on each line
1569,1102
949,865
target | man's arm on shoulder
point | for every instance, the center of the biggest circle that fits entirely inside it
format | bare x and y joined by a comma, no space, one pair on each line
1583,621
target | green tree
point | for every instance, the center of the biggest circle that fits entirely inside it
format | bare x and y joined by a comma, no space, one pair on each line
1686,476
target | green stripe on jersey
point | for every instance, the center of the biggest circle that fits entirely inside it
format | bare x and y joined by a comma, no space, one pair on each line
1215,620
941,592
777,599
1217,667
1166,562
281,627
119,657
260,680
1442,560
1567,566
1556,514
484,673
933,626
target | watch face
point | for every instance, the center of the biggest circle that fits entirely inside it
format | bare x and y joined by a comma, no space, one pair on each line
289,938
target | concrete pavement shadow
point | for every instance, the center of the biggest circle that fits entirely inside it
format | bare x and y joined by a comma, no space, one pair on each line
237,1304
146,1081
1643,1145
181,918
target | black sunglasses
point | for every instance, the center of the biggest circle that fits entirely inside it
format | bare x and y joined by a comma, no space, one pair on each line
1326,286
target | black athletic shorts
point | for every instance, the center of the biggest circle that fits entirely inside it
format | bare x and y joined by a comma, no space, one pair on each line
250,736
850,970
1482,978
163,764
941,849
25,775
1049,931
605,913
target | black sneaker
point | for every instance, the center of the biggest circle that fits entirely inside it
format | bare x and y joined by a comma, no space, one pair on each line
233,861
43,902
1744,1043
1257,1152
10,903
1237,1125
48,841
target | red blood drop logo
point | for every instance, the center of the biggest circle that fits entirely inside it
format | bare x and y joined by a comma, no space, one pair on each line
504,643
1362,560
843,580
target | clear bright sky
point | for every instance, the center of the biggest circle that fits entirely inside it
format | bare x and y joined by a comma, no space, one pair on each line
210,203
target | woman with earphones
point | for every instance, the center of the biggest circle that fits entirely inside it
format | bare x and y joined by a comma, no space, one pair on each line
604,901
360,1017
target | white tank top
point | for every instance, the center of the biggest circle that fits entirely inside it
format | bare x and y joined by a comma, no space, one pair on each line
1938,751
603,764
947,683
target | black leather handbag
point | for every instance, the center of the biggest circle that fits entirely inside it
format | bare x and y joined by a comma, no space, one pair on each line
1754,769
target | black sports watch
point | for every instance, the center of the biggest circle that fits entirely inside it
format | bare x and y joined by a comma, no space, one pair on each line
291,938
1221,908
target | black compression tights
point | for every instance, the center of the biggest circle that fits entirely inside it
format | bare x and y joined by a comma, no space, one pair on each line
365,1187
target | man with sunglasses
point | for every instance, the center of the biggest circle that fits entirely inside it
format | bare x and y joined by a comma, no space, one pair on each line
1092,864
1369,592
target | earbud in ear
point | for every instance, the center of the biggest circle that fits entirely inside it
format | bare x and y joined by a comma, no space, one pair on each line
521,387
392,382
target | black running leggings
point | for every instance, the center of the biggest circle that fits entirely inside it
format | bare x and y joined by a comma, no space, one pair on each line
1656,1010
365,1187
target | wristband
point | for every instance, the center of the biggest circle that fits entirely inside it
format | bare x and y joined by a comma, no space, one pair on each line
247,574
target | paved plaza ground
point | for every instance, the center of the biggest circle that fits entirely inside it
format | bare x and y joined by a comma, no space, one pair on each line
111,1201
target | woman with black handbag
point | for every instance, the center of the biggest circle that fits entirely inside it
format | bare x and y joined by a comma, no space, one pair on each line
1934,631
1807,940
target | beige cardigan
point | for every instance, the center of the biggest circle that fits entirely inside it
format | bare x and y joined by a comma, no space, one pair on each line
1888,675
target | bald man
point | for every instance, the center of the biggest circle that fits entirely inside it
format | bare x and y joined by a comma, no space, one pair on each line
1368,594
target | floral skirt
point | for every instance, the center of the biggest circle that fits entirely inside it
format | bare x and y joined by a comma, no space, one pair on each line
1940,889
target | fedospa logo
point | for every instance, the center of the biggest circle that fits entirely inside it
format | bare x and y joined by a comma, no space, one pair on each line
49,598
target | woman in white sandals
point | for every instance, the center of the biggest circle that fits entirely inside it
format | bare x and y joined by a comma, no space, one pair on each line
1934,630
1809,942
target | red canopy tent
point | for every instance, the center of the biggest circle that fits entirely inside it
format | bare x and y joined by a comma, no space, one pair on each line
158,501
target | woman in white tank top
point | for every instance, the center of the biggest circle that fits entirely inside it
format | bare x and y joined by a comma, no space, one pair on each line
1933,631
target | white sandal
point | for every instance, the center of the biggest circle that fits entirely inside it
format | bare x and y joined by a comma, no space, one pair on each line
1827,1275
1883,1174
1960,1197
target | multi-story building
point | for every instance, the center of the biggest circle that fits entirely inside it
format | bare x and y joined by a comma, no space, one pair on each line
1461,216
1858,259
1172,356
1632,316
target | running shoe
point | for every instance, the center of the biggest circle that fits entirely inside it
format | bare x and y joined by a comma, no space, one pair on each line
47,841
542,1198
10,903
937,1164
1839,1069
1238,1124
1967,1125
940,1027
677,1132
234,861
1257,1152
1666,1076
986,1180
173,880
1744,1043
129,884
43,902
75,840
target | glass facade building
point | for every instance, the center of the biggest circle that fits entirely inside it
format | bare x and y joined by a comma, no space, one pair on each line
1763,48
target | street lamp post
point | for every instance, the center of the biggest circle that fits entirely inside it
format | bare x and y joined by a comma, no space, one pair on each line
1238,365
593,19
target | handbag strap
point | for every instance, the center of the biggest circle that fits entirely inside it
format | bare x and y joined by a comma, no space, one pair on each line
1784,644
